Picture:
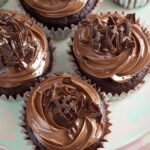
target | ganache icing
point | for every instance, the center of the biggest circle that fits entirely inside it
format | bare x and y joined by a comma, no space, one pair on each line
23,49
111,46
67,108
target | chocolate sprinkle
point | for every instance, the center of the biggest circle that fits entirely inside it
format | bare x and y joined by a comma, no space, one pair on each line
67,80
16,45
131,17
111,36
69,102
127,26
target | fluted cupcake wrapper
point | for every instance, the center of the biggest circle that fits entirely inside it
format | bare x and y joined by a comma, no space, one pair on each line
105,117
61,34
130,4
110,96
13,93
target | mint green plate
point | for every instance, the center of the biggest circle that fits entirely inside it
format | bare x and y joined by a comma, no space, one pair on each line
130,117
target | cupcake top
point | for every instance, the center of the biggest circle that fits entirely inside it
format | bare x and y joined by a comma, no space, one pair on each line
56,8
112,46
23,49
65,113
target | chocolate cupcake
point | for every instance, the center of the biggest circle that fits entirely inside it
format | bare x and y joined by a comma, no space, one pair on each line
64,112
24,53
113,51
131,4
59,13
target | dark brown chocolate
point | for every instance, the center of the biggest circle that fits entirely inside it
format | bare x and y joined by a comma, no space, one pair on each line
68,104
109,36
16,46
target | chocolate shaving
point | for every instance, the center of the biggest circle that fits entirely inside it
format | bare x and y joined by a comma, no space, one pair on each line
112,20
109,37
131,18
6,52
121,37
117,43
67,108
29,55
96,46
6,18
85,37
109,44
97,37
127,26
66,80
128,44
15,48
15,60
46,98
21,66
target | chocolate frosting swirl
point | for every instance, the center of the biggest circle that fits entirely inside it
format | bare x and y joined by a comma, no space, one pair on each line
111,46
56,8
23,49
64,113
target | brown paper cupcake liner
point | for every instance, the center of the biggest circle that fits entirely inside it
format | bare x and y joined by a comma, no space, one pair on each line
13,93
60,34
105,120
111,96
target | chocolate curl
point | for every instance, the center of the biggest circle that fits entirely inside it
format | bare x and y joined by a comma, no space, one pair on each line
16,49
69,102
131,18
111,36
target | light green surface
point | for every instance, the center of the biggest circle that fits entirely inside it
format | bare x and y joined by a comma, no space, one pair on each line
130,116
